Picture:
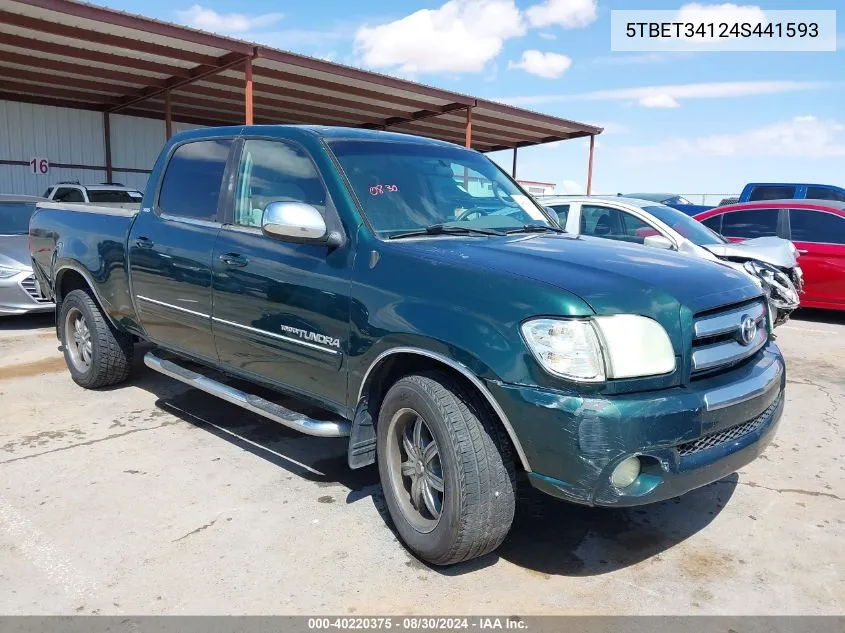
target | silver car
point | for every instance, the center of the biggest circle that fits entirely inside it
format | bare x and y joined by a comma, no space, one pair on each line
771,261
19,291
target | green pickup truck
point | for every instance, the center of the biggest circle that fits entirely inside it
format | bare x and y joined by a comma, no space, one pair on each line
412,293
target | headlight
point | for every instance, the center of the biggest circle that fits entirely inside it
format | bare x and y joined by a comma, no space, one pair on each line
591,350
569,349
5,272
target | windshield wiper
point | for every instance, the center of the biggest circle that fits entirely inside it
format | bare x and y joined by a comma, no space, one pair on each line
535,228
446,229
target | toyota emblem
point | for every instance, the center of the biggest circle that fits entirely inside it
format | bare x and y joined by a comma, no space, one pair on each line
747,330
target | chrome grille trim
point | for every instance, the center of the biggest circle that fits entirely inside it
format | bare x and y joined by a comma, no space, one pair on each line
730,434
30,287
725,353
727,321
716,341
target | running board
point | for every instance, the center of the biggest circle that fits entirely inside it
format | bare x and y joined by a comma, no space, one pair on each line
248,401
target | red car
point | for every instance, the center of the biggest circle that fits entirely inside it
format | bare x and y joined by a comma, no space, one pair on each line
816,227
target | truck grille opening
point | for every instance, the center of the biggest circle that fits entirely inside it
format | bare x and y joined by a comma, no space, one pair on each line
719,340
729,434
30,286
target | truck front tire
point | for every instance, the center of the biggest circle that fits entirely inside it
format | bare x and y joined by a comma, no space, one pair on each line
446,469
96,354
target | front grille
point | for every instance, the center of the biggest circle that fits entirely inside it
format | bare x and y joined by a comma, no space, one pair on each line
727,435
30,286
718,342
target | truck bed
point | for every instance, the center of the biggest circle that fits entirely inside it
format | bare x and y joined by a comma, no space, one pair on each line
88,240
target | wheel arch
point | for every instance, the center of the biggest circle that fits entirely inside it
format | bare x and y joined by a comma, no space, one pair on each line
69,278
395,362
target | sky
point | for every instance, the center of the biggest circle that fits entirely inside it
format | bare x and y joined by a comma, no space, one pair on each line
680,122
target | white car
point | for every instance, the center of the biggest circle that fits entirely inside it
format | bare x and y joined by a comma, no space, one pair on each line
104,195
771,260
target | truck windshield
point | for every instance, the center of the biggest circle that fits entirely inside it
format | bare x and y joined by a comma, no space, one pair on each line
14,217
406,187
691,229
114,195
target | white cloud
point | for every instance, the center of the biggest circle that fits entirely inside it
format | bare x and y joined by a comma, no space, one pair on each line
201,17
548,65
571,14
569,188
800,137
461,36
726,13
659,101
678,92
547,36
617,59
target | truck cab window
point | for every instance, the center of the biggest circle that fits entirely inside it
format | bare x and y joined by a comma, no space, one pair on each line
272,171
825,193
191,184
772,192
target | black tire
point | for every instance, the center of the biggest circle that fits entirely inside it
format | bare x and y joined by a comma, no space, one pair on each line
109,355
476,468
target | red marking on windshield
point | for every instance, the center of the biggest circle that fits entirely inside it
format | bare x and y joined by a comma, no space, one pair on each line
377,190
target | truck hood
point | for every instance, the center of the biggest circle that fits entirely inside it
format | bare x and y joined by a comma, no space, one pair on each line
14,251
770,250
611,277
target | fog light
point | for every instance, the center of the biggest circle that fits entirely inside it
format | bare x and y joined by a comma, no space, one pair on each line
626,473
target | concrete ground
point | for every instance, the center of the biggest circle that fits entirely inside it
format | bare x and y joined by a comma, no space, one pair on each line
151,498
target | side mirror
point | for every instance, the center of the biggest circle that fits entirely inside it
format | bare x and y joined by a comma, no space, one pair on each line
294,221
659,241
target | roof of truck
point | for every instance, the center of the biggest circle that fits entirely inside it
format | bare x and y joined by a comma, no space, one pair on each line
320,131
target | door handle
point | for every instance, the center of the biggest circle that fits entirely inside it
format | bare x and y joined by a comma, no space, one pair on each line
803,251
144,242
234,259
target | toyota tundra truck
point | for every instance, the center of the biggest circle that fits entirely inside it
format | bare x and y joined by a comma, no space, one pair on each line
415,300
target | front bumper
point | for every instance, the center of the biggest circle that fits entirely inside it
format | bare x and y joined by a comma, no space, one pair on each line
686,437
20,295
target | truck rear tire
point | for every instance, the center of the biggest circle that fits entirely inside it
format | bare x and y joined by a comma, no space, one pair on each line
96,354
446,469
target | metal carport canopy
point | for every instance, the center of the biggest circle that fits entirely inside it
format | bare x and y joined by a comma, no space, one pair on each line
71,54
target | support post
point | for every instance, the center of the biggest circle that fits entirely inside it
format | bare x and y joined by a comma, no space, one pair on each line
513,168
468,130
168,117
107,144
248,91
590,164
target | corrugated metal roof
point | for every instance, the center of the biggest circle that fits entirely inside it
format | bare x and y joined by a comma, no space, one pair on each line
63,52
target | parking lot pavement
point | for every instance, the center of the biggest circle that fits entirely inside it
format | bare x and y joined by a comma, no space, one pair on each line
153,498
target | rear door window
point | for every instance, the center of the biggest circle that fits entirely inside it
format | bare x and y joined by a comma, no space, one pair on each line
825,193
192,182
772,192
68,194
751,223
808,225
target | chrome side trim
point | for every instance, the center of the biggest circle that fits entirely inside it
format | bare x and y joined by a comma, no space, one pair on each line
727,352
280,337
173,307
469,376
727,321
753,386
256,404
